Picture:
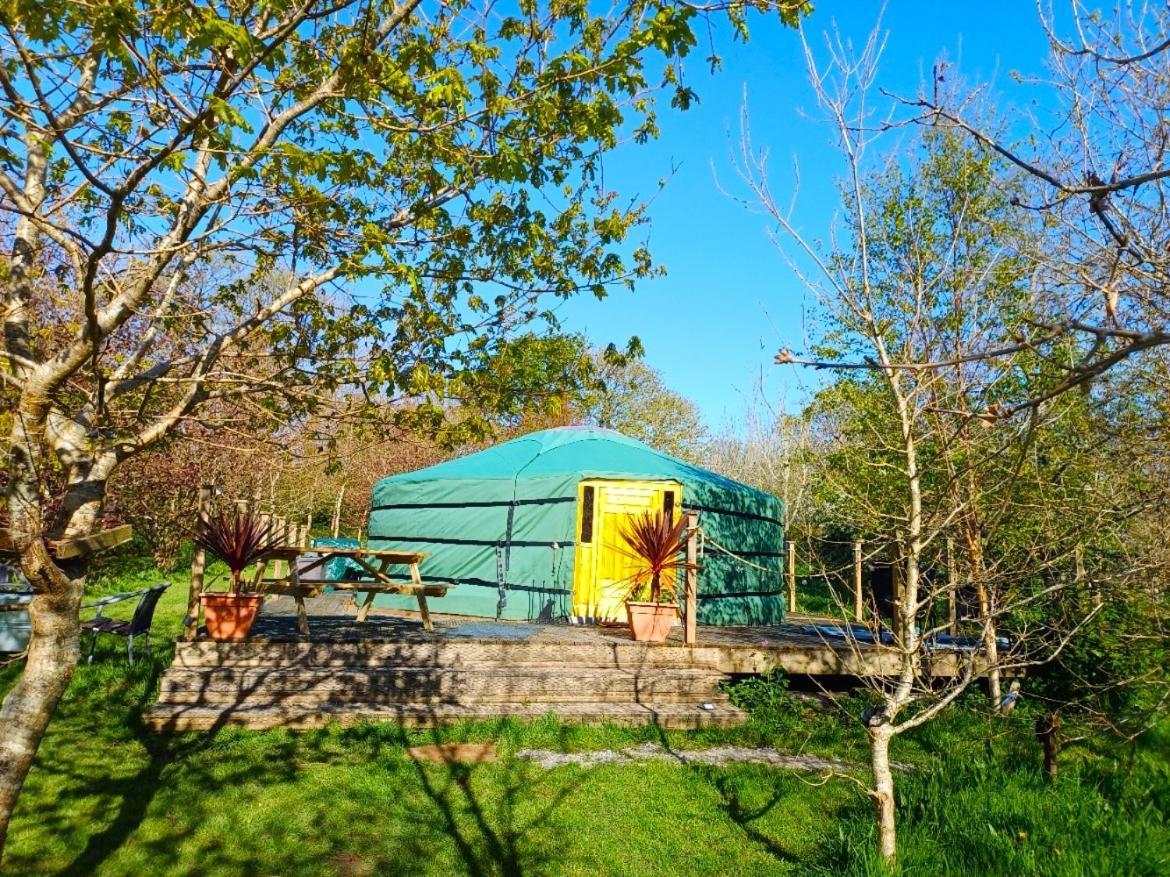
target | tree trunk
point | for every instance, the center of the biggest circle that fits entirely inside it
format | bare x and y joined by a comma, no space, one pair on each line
882,793
53,650
1048,733
986,612
55,641
990,648
973,526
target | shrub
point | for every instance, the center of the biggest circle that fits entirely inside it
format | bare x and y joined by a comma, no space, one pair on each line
766,698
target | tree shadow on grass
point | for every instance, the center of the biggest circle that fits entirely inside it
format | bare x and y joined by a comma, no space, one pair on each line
490,818
495,814
104,712
110,791
745,817
136,792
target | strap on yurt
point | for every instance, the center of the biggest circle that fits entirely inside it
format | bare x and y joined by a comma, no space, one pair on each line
501,582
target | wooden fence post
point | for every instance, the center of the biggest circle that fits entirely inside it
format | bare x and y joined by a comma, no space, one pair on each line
281,542
268,522
952,590
858,601
198,565
790,568
337,512
690,631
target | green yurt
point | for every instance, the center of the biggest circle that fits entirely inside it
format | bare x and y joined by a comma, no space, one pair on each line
530,529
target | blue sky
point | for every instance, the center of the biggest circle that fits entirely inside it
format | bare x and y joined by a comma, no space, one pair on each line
729,300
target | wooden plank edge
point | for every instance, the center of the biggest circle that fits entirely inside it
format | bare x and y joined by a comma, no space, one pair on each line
64,549
164,719
100,541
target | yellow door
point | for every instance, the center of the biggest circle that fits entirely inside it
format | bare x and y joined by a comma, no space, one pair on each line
602,572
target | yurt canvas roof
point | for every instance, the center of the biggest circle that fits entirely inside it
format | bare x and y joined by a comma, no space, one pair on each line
565,455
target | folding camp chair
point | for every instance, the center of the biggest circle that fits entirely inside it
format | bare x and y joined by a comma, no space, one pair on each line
139,625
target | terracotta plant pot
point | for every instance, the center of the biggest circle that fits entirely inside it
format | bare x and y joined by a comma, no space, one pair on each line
230,616
651,622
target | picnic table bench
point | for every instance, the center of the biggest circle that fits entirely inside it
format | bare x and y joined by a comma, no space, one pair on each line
300,583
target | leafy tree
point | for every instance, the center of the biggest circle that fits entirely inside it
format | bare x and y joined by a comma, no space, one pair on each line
1115,676
264,203
630,396
1096,173
924,440
157,489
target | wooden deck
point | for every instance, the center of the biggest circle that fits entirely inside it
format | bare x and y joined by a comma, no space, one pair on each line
388,668
794,647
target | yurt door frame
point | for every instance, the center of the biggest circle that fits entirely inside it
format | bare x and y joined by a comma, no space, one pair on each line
601,571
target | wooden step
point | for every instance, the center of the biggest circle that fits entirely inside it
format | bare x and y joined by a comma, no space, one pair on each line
429,685
448,653
421,680
177,718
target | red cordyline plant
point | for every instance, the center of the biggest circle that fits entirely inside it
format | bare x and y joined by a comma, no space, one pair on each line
237,538
656,543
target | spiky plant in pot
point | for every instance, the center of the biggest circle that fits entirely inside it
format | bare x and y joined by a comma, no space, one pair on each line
237,538
656,544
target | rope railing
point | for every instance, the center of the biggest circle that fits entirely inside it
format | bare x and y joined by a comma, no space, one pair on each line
851,570
847,580
789,569
707,538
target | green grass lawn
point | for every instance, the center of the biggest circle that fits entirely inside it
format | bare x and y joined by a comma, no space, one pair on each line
107,797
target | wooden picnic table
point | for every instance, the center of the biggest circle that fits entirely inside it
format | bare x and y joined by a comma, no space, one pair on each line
299,582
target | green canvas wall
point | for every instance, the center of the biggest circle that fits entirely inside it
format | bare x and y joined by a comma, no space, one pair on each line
508,514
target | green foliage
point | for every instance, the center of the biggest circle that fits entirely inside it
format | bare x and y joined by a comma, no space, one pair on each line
766,697
1117,670
337,195
527,377
942,279
1019,490
988,816
631,397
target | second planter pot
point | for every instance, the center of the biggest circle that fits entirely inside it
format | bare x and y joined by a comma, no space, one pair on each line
651,622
